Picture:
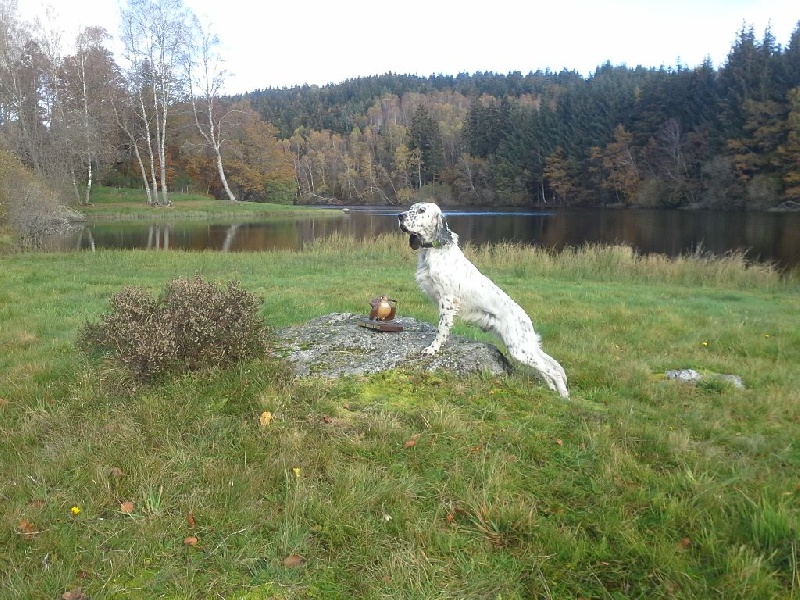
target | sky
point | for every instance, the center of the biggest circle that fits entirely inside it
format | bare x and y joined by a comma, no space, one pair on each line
271,43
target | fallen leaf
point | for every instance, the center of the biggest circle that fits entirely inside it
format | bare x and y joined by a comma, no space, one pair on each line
293,560
450,518
76,594
27,529
115,472
412,441
560,442
190,541
684,543
191,521
126,508
265,419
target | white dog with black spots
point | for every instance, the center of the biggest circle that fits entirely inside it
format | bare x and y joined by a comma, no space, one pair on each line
458,288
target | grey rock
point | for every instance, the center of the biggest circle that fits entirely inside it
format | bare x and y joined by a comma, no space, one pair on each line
788,206
685,375
335,345
734,380
692,376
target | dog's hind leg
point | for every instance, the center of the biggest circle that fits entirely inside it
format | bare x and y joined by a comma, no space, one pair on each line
448,308
559,375
545,366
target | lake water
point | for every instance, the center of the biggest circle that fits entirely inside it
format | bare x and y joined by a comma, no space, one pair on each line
763,236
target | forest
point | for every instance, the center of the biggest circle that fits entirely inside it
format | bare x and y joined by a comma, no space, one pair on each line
724,137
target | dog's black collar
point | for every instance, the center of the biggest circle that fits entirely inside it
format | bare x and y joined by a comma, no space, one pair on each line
417,243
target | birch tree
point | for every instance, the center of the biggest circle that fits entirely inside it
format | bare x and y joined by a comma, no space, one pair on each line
155,34
88,79
206,77
20,87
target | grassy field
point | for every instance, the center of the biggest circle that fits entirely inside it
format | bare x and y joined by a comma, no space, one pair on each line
130,204
408,484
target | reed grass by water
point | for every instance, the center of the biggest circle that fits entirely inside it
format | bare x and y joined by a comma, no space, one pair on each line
406,484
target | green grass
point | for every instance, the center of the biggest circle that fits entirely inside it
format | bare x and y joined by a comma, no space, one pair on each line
118,204
636,488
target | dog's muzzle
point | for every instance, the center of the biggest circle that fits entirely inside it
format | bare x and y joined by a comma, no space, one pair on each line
413,238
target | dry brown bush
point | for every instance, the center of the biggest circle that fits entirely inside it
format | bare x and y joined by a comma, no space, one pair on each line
192,325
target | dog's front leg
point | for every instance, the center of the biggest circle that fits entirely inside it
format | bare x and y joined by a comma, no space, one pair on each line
448,308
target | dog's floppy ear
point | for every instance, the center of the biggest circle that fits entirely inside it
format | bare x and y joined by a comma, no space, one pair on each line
442,236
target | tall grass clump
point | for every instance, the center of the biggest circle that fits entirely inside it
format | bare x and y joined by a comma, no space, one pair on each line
386,246
193,325
623,263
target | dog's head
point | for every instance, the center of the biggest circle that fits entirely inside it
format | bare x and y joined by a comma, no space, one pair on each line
426,226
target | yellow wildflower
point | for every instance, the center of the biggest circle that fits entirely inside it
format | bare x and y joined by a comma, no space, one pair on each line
75,510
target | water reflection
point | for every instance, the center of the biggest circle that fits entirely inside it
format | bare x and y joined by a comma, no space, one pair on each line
158,236
764,236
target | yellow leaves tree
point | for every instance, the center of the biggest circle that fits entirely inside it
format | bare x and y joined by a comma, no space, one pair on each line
765,127
403,167
258,165
319,159
617,165
560,174
789,152
768,156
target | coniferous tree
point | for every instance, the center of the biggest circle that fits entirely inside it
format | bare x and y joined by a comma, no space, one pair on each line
789,153
516,173
790,59
424,137
746,76
485,126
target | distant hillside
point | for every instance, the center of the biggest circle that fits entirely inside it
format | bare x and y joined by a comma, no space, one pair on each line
334,106
726,137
